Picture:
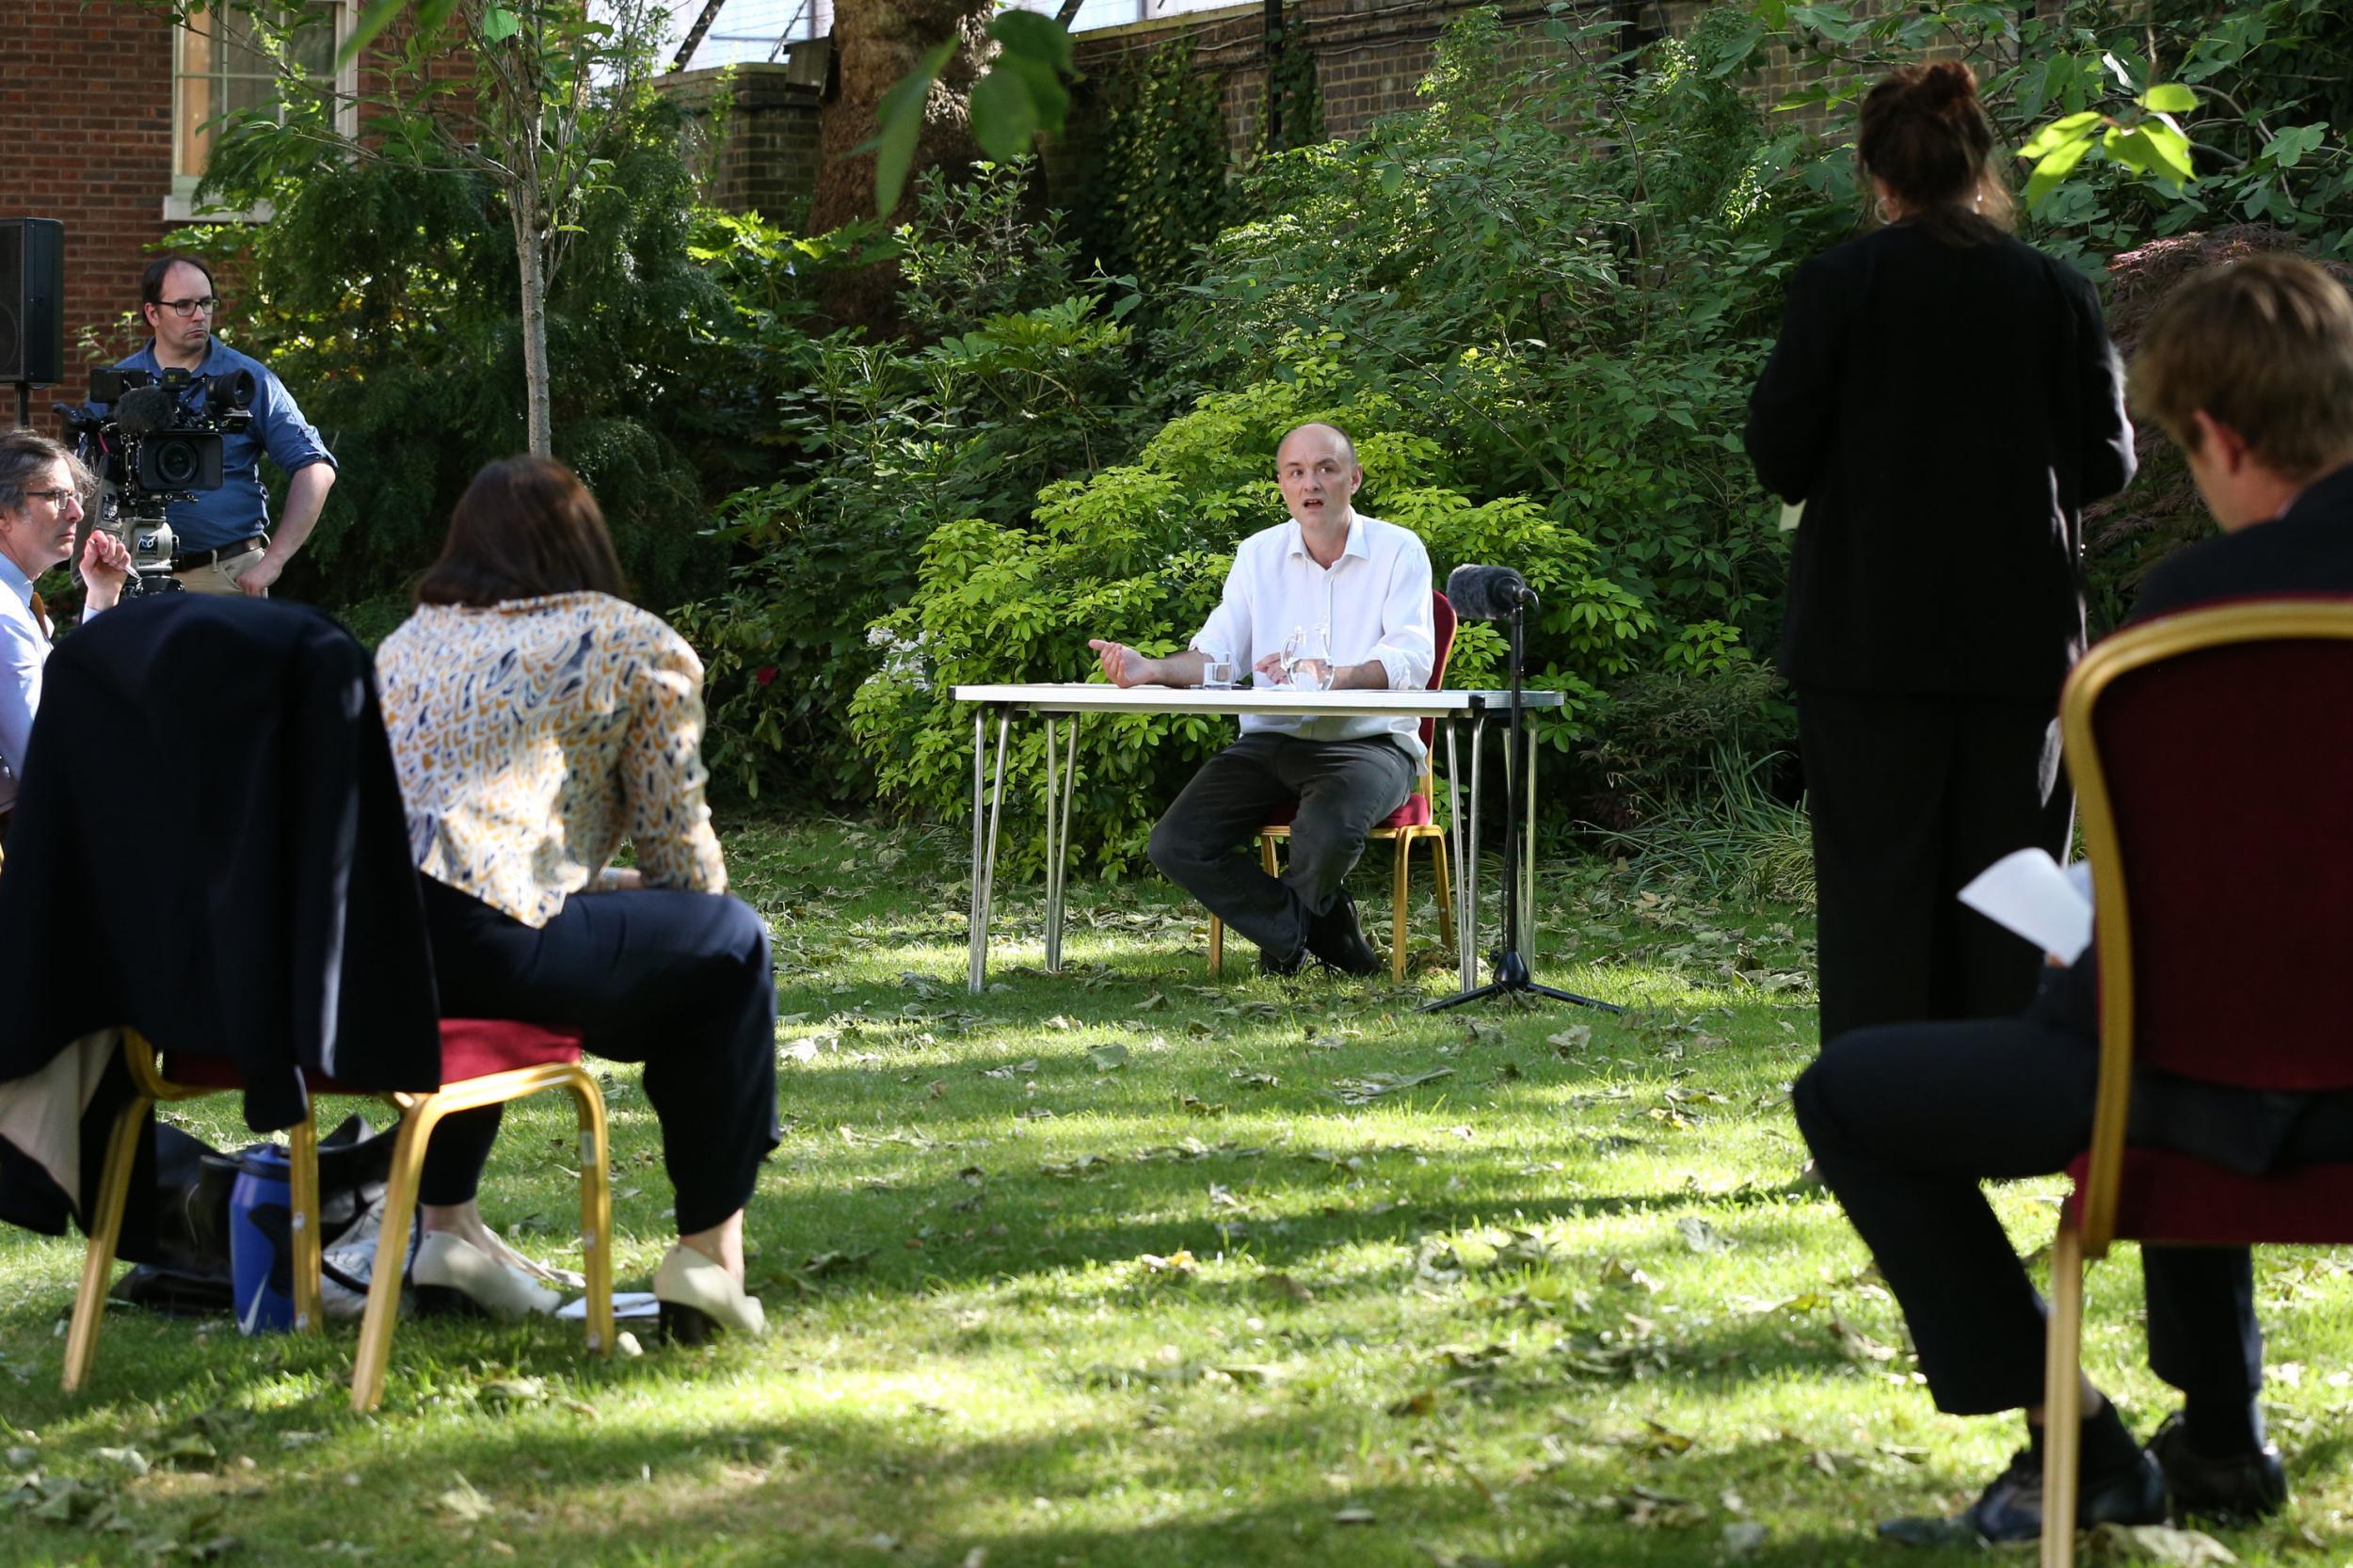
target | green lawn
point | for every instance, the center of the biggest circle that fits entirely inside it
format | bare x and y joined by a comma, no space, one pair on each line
1122,1267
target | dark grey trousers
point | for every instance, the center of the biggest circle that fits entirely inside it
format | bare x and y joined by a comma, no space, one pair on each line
1207,843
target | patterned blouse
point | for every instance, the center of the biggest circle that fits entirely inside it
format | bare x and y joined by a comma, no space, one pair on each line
530,736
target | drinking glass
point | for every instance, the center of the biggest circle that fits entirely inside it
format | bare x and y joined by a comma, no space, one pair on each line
1217,672
1308,659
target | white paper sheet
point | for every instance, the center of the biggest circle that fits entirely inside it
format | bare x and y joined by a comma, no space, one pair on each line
2027,891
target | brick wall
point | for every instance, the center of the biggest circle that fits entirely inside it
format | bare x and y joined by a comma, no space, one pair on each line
1370,56
754,138
86,137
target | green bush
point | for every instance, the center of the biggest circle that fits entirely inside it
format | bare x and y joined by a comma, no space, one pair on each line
1138,552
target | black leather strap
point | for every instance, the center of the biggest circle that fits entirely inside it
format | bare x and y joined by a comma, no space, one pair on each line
195,558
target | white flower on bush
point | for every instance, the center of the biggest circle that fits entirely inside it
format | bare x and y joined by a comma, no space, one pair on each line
906,660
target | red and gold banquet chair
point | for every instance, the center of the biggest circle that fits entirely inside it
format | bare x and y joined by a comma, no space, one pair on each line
2213,755
1413,822
483,1061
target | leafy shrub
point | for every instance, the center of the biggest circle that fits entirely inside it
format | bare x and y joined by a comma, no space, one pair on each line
1140,552
974,250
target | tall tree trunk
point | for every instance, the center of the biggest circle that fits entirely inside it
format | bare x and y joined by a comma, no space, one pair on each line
875,44
522,205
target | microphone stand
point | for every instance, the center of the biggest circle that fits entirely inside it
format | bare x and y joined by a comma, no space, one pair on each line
1512,976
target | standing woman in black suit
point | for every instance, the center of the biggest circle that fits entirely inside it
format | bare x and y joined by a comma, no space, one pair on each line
1943,401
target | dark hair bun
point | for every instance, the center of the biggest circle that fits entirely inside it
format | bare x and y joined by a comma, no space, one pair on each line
1945,84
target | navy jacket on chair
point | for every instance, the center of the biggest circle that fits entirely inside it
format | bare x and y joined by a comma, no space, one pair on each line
208,847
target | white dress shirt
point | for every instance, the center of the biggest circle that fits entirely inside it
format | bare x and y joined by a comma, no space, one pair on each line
1374,600
24,650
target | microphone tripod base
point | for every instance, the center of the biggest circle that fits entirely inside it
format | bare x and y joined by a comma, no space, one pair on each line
1512,980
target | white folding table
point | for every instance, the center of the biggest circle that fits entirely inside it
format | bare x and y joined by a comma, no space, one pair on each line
1064,705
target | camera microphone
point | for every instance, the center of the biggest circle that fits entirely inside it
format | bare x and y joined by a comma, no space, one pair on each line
1487,593
146,410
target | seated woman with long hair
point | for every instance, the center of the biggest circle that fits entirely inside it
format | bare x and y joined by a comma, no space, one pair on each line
537,719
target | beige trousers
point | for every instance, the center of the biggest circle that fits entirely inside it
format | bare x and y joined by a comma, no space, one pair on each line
222,576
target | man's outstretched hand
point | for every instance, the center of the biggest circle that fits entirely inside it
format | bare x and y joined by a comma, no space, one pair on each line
1123,665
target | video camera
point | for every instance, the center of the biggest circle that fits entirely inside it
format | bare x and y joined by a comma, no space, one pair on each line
157,439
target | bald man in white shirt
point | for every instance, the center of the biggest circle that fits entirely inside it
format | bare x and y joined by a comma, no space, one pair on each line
1366,582
42,489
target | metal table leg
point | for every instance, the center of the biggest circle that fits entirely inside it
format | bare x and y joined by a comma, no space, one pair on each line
1058,836
1457,851
985,841
1469,951
977,961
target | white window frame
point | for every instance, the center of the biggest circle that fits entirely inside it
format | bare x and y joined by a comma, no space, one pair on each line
180,206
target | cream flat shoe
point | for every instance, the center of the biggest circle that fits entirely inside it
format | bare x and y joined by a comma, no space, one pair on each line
700,1298
452,1276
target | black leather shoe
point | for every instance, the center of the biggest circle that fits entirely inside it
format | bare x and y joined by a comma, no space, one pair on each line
1282,967
2011,1508
1335,937
2236,1487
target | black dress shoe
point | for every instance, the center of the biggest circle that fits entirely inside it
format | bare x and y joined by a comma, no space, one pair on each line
1281,967
1335,937
2235,1487
2011,1508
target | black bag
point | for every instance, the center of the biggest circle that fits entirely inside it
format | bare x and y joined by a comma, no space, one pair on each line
192,1182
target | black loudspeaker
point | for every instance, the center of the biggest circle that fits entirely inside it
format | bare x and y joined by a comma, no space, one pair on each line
32,300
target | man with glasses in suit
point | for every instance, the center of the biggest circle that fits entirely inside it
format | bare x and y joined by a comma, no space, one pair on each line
226,544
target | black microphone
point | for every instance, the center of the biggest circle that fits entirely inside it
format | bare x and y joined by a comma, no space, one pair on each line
1487,593
146,410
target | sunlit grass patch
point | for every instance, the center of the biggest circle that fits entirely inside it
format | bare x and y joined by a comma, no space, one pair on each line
1124,1266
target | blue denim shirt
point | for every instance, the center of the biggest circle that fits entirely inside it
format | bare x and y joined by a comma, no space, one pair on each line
240,508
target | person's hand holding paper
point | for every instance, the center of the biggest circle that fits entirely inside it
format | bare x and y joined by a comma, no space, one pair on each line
2029,893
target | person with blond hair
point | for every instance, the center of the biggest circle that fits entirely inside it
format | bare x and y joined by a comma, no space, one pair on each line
2249,370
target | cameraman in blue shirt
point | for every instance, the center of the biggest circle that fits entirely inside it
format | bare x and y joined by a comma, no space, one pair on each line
225,542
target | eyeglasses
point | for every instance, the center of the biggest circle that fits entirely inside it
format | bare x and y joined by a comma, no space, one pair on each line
185,308
57,498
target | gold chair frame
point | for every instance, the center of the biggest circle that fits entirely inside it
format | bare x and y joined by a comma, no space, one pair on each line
1400,896
2086,1240
419,1114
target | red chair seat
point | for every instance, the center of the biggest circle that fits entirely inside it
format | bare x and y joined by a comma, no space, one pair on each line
2180,1198
1413,813
471,1047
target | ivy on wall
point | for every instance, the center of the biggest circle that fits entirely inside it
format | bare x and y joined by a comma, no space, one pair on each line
1294,98
1158,186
